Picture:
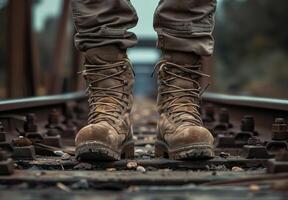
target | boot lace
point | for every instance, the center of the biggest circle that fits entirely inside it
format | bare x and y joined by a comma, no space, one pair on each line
178,99
117,103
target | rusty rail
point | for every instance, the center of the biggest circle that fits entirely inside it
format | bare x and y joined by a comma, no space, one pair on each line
225,100
15,104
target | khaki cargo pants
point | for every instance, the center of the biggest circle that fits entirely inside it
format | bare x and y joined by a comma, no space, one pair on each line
181,25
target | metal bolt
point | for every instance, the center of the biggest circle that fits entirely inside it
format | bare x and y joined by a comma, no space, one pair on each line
224,116
21,142
30,125
279,164
52,138
2,133
52,132
280,121
3,155
254,141
30,117
274,146
254,151
282,155
53,117
1,127
6,164
279,129
248,124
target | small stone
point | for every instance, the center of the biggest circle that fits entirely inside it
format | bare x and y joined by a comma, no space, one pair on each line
133,188
63,187
59,153
150,152
148,146
65,156
224,155
132,165
41,173
254,188
141,169
110,169
81,184
221,168
135,137
142,129
149,138
139,152
149,149
237,169
83,166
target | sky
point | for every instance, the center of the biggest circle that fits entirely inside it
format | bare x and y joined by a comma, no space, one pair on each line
144,28
44,9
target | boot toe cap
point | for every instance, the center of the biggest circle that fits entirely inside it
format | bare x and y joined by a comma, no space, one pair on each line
101,132
189,135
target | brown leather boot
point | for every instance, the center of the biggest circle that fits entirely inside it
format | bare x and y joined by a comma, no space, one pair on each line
181,134
108,135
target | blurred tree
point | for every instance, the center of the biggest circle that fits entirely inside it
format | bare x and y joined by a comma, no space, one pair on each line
3,49
249,34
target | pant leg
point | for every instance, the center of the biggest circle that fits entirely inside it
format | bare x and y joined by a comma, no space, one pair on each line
103,22
185,26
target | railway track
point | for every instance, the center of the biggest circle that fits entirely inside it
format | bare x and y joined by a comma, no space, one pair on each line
37,153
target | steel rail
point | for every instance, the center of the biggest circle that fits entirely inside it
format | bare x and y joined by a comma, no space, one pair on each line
15,104
248,101
233,100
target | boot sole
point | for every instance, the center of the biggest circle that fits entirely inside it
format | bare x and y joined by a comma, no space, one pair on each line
190,152
97,151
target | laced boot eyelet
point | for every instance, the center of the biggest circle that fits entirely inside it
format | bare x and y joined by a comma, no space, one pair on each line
124,67
125,82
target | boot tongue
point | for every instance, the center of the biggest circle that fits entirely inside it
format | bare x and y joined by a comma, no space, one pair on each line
184,83
189,81
106,84
106,100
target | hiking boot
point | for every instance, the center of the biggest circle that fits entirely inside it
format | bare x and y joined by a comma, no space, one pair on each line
108,135
180,131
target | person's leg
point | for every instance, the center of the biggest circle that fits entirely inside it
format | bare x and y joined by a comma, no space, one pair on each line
103,38
185,26
104,24
184,30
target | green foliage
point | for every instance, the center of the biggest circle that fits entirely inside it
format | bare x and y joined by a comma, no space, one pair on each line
250,37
